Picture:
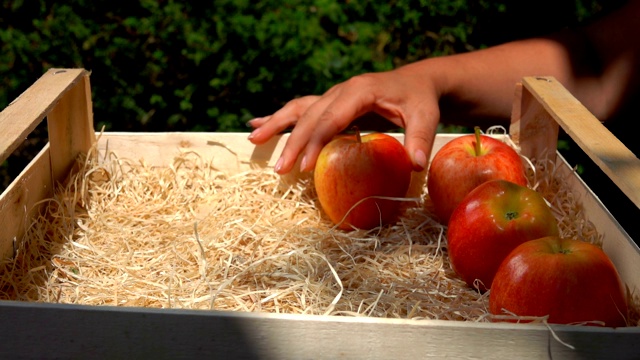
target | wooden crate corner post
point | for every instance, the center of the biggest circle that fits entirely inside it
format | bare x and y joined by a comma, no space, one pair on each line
532,128
542,103
63,96
70,126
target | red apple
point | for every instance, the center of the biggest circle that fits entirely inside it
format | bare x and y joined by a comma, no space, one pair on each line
570,281
489,223
351,168
466,162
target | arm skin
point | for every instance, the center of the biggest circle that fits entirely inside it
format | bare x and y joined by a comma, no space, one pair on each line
596,63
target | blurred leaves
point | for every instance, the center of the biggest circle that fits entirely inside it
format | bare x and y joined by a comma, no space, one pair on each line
163,65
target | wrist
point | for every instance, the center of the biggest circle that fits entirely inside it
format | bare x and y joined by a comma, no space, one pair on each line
433,73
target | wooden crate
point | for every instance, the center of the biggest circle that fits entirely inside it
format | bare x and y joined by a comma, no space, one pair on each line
45,330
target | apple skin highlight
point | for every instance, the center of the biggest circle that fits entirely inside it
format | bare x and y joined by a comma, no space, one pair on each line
351,168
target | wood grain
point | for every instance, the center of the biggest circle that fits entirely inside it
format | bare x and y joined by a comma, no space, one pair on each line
609,153
70,127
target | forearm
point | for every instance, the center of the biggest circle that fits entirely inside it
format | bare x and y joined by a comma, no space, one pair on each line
597,63
478,87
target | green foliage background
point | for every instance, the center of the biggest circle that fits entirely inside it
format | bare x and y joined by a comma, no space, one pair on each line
161,65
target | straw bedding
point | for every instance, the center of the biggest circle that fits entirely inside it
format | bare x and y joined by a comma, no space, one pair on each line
124,233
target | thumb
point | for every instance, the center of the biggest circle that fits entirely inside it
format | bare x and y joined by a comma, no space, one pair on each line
420,133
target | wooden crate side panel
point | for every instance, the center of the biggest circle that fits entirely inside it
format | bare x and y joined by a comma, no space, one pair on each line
18,202
541,105
67,331
64,96
230,152
227,151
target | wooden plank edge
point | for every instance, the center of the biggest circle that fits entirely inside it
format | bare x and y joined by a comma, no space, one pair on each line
231,151
539,107
19,202
66,331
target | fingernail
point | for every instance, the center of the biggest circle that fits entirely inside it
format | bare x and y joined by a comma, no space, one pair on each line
278,166
250,122
420,159
303,164
253,134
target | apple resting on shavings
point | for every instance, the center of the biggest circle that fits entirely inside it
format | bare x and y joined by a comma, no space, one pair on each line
124,233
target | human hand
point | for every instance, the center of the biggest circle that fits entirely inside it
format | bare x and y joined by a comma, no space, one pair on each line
401,96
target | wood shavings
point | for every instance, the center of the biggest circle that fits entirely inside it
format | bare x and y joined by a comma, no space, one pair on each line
125,233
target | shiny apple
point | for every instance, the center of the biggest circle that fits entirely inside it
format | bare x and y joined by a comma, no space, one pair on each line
568,280
352,170
491,221
466,162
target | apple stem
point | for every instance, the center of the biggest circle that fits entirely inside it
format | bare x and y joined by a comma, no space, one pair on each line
478,147
358,137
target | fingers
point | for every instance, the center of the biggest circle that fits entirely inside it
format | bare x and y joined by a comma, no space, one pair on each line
422,116
317,126
266,127
318,119
421,126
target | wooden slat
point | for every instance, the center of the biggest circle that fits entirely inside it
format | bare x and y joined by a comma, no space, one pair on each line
18,201
22,115
620,248
66,331
231,152
611,155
